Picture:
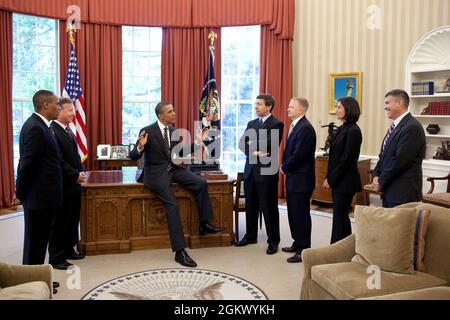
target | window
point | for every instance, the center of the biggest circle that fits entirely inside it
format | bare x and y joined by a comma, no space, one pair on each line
240,86
35,67
141,65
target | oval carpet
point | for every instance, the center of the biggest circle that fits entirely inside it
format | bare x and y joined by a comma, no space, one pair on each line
177,284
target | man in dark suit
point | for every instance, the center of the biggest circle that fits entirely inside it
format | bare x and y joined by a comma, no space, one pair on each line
260,143
39,176
159,171
65,229
398,173
299,167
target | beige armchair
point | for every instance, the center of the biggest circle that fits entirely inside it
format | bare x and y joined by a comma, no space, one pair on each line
329,272
25,282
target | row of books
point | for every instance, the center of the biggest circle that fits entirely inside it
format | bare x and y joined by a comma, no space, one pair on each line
422,88
437,108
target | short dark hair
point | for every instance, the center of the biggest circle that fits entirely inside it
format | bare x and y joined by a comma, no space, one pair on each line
352,110
41,97
159,107
64,101
268,100
400,95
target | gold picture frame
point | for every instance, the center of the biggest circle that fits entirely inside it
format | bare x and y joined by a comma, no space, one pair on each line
343,85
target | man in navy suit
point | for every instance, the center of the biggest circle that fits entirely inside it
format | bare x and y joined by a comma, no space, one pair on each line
39,176
156,145
299,167
65,229
260,144
398,173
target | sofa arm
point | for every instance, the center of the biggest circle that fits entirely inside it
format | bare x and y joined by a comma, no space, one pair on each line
12,275
341,251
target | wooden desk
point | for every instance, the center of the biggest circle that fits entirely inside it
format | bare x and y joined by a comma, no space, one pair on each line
106,164
119,215
322,195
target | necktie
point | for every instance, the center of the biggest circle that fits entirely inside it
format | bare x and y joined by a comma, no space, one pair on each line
70,133
167,145
259,123
290,129
388,134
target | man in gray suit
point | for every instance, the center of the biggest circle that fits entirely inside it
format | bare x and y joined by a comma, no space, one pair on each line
159,171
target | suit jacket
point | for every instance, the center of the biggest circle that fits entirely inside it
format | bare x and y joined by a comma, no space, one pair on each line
249,143
299,158
70,158
156,159
39,176
343,175
399,167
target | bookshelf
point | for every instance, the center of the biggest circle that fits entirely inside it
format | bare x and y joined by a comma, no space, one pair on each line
427,67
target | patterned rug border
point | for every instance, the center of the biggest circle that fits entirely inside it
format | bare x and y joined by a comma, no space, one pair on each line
187,270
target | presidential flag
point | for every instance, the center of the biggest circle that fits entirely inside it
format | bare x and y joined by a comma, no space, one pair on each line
209,101
72,90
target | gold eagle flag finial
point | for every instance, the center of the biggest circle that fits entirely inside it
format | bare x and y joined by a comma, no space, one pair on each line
212,36
71,30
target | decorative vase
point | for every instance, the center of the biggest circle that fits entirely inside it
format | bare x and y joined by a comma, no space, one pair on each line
433,129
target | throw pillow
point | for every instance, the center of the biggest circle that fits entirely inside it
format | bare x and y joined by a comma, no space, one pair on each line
384,238
423,217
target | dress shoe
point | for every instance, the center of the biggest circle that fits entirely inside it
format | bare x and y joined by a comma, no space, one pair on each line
288,249
55,291
183,258
244,242
208,228
75,256
297,257
63,265
272,248
55,284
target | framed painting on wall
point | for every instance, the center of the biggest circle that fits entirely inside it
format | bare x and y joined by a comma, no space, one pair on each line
344,85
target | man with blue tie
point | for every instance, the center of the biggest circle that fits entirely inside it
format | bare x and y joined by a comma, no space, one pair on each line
65,229
260,143
398,173
39,176
299,167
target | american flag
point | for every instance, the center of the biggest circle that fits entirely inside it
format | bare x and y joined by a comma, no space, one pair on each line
72,90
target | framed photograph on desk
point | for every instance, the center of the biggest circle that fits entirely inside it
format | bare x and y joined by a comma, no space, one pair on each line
103,151
120,151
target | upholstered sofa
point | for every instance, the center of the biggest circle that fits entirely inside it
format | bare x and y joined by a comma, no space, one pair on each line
19,282
333,273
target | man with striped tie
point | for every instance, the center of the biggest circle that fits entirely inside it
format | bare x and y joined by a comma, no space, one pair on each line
156,145
65,228
398,173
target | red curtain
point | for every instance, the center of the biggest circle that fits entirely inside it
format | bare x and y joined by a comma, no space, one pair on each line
56,9
276,79
185,57
99,54
6,132
166,13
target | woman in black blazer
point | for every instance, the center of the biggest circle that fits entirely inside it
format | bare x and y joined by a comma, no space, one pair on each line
342,175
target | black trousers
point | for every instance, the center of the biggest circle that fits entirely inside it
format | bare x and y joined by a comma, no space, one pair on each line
64,231
299,206
262,196
164,192
341,222
37,233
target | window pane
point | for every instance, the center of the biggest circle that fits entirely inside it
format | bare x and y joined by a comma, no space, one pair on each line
141,84
240,86
34,67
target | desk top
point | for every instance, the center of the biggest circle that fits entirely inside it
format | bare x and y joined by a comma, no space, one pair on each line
108,178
